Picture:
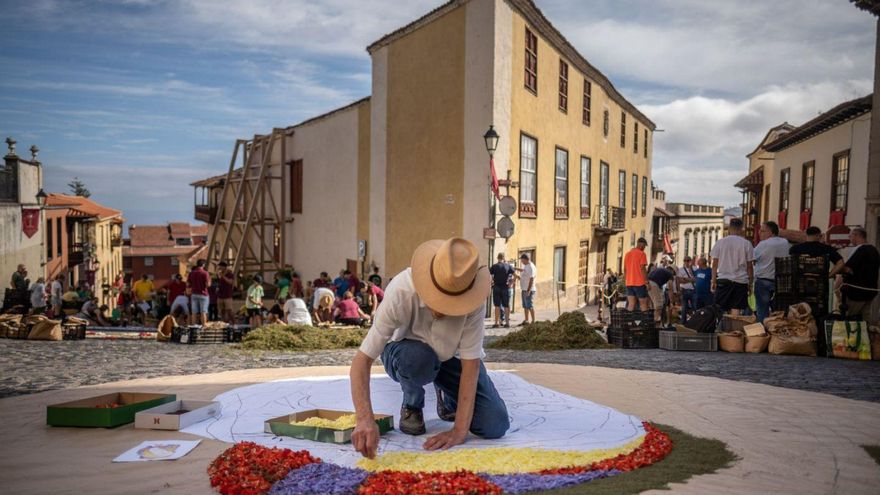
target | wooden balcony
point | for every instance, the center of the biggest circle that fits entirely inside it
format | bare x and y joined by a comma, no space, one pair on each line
75,255
609,220
206,213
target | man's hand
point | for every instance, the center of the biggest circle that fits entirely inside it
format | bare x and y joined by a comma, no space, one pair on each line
444,440
713,286
365,438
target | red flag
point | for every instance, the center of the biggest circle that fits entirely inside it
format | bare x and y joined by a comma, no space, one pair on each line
30,221
494,177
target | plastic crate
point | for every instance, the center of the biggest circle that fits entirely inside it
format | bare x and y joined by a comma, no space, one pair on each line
235,333
634,330
621,318
680,341
195,334
73,331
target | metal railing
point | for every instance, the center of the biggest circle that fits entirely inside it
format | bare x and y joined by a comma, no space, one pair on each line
609,218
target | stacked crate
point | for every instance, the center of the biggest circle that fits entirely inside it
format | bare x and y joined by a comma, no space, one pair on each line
802,278
633,329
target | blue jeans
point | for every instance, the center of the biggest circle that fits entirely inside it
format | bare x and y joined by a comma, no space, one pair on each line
414,364
764,289
688,303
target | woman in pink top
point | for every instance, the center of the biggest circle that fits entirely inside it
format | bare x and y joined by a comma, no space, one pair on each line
347,311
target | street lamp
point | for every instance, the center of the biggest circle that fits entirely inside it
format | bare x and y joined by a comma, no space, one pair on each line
491,138
41,197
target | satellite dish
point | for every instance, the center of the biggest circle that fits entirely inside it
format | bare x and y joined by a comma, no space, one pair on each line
507,205
505,227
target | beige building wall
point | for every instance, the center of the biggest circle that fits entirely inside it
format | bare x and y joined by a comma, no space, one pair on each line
852,135
109,256
325,234
538,116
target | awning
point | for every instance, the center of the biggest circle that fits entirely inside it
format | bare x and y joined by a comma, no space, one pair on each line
755,180
661,212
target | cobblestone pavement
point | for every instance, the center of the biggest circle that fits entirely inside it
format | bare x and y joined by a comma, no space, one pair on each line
29,367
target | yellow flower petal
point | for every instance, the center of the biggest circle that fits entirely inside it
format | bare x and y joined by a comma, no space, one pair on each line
504,460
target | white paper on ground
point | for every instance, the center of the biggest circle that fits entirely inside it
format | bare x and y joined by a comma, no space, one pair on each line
158,450
540,418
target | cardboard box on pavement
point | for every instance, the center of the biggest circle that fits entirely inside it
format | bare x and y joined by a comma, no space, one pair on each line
169,416
104,411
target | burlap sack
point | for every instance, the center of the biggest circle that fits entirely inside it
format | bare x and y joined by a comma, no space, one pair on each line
215,325
33,319
735,323
802,314
791,345
731,341
46,330
165,328
683,329
77,321
757,343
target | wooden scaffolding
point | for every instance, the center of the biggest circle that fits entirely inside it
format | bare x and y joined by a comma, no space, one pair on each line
249,231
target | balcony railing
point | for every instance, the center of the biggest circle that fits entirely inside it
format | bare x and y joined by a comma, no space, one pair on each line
206,213
609,219
116,240
75,255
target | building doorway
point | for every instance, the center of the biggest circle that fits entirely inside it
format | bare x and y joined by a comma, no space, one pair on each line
583,272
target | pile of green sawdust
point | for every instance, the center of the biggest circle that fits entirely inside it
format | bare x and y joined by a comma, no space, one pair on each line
690,456
302,338
570,331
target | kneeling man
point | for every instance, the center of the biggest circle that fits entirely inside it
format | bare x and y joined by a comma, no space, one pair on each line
429,329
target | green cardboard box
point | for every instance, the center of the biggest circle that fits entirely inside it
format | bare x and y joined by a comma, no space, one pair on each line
283,426
84,412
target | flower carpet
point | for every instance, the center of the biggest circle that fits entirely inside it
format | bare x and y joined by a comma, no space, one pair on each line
251,469
555,440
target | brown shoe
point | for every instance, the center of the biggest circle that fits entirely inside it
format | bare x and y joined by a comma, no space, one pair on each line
442,411
412,422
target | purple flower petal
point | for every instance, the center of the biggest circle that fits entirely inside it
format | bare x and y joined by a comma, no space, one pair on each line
530,482
320,479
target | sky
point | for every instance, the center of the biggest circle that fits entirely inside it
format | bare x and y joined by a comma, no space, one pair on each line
137,98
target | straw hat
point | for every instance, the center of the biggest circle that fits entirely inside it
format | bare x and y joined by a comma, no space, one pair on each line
448,277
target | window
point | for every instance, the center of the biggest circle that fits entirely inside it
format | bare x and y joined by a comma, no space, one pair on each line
632,240
644,196
528,177
585,186
559,267
148,261
808,177
175,261
296,186
530,252
784,187
588,89
839,181
636,138
531,74
622,130
605,123
635,195
687,241
49,233
621,183
702,242
604,179
563,87
561,203
58,237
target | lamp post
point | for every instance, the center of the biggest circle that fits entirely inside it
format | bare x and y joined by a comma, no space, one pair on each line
491,140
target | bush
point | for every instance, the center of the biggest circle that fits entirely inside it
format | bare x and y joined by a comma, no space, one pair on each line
570,331
302,338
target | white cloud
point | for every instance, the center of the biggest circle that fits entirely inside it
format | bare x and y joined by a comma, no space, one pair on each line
701,153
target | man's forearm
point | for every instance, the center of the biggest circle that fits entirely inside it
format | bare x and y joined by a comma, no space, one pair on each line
467,392
360,386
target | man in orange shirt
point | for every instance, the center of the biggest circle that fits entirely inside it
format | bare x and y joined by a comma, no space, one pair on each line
635,266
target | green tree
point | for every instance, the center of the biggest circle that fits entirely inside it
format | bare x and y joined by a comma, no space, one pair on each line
78,188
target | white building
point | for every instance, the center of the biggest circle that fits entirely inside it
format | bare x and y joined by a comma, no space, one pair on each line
694,228
21,241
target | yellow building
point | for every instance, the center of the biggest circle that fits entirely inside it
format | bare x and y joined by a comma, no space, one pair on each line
412,165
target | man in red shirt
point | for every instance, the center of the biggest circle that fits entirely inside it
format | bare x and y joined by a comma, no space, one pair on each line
635,266
197,282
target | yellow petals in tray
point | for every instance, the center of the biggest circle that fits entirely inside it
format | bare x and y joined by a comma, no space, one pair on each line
340,423
504,460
